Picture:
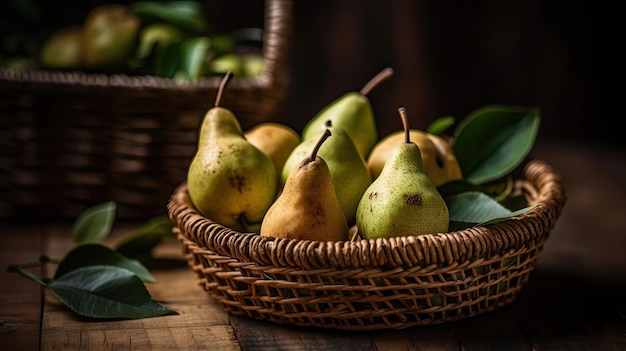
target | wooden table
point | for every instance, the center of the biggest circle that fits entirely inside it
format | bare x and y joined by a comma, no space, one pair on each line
574,300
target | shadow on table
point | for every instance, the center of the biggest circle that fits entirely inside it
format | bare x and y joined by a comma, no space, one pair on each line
552,311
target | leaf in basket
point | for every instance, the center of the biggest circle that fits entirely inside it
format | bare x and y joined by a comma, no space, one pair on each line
145,238
187,15
106,292
479,209
95,223
98,255
515,203
440,125
192,54
166,59
494,140
499,189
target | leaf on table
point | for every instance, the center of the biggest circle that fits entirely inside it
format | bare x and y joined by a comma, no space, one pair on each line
492,141
474,207
95,223
106,292
145,238
97,254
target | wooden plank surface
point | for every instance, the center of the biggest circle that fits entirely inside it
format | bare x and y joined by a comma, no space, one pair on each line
574,300
20,299
201,323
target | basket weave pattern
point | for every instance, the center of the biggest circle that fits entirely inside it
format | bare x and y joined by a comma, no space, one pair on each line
69,139
372,284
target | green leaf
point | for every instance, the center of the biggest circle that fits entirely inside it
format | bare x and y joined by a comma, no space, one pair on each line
187,15
494,140
479,209
498,189
98,255
95,223
440,125
144,239
167,59
106,292
193,52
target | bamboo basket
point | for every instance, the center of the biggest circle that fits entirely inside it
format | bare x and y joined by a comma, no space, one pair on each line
69,140
372,284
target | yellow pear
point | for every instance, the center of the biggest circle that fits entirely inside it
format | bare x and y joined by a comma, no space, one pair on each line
275,139
440,163
307,208
229,180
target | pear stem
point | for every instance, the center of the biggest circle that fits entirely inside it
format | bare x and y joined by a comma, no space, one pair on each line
379,78
227,77
405,124
318,145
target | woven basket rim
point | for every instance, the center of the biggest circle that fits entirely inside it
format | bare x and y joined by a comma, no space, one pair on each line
441,249
278,17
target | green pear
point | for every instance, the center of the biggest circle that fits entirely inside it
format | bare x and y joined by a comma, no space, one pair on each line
230,180
224,63
347,166
62,49
109,36
402,200
307,208
253,65
353,113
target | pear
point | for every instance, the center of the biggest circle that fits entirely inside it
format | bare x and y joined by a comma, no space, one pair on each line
440,163
109,36
353,113
223,63
62,49
307,208
275,139
402,200
253,64
347,166
229,180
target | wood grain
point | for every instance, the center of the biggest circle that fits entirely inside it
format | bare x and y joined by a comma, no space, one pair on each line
574,299
20,302
201,323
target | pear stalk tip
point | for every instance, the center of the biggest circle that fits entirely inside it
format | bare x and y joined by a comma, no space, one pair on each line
318,145
405,124
225,80
376,80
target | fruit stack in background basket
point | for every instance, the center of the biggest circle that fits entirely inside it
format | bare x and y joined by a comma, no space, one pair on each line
98,124
335,228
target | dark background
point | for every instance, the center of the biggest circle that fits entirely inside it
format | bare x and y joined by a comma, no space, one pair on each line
449,58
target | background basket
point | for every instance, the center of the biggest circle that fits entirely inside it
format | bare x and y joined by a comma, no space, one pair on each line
71,140
372,284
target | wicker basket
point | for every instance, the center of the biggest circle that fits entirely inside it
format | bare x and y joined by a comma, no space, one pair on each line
372,284
70,140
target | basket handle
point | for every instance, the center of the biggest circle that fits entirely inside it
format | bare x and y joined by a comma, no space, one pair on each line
278,15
